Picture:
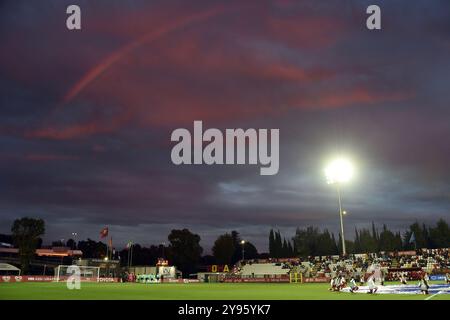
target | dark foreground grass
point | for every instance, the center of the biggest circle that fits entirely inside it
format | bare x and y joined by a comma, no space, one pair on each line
192,291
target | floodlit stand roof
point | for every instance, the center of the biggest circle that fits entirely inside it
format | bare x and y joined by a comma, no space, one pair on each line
8,267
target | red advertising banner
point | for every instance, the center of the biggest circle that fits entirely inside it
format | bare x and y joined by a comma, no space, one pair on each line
316,280
13,278
257,280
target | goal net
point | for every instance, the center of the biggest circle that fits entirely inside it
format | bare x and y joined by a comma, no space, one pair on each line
63,272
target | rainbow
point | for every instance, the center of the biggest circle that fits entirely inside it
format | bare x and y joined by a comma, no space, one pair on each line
117,55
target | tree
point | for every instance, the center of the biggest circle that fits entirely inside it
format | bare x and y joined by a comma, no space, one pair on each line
312,242
306,241
357,242
237,255
334,244
71,244
250,250
368,242
223,249
375,238
290,250
285,249
143,255
387,240
280,248
420,240
440,235
272,243
207,260
26,233
278,245
58,243
349,246
426,236
325,244
186,250
398,241
92,248
294,247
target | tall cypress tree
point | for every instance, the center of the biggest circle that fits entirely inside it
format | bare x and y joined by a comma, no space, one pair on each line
294,248
285,249
271,243
398,241
375,236
374,232
440,235
290,250
426,237
357,242
335,245
278,245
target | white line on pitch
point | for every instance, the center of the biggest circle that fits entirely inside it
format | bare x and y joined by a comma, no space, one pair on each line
430,297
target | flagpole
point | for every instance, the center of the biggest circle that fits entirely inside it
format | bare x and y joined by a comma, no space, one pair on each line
130,253
110,249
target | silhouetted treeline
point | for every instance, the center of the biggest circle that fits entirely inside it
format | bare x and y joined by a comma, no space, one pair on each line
311,241
280,248
229,248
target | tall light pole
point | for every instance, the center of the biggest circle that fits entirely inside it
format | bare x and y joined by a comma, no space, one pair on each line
243,250
337,172
344,251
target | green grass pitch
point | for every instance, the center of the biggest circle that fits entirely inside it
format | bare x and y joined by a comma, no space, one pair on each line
191,291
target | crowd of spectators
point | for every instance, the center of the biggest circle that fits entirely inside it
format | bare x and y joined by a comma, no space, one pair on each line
391,264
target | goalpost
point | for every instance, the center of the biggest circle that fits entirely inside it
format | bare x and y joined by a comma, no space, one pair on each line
295,277
87,273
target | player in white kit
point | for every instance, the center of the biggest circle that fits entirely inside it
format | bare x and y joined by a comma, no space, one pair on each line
402,279
353,286
424,284
371,284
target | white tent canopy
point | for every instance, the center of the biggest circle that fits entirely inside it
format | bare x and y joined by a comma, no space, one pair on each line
9,268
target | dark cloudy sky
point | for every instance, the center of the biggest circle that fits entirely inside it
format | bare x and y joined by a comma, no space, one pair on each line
86,116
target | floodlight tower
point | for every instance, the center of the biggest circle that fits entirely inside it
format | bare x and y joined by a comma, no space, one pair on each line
339,171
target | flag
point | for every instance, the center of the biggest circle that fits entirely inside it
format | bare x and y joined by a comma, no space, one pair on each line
129,244
104,232
413,238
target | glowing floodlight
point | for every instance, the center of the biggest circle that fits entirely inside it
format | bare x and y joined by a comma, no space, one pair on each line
338,171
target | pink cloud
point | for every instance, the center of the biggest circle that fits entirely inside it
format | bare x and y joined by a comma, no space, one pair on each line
48,157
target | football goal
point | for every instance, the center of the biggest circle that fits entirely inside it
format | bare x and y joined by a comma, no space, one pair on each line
86,273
